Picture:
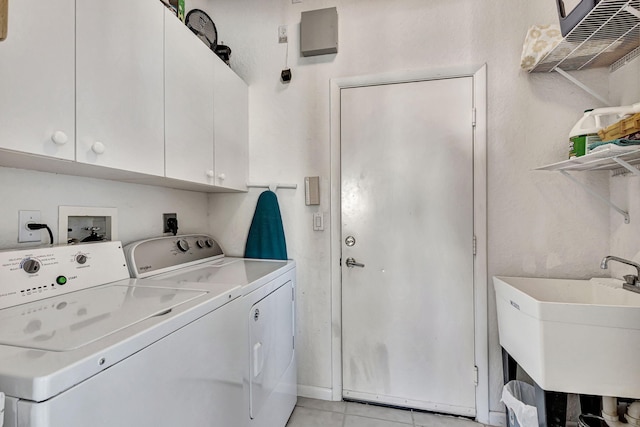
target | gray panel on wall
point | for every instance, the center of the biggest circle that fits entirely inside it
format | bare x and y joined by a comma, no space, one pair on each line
319,32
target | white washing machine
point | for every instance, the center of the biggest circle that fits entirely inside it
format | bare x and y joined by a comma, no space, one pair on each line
82,344
268,313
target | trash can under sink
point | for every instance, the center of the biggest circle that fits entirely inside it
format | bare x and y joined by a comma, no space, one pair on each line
520,400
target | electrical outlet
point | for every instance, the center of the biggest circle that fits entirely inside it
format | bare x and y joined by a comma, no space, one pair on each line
24,234
167,224
283,36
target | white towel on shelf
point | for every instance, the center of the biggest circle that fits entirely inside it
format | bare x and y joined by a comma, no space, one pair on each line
540,40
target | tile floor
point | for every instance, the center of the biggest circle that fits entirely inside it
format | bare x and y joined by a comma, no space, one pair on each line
321,413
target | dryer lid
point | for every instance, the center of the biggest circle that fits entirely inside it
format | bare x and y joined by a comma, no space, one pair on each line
73,320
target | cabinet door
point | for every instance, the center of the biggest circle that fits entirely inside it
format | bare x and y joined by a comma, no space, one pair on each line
231,121
37,79
188,104
120,87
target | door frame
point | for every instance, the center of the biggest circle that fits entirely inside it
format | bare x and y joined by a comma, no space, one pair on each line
479,75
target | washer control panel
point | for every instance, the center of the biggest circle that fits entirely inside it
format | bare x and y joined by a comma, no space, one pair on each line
32,274
154,256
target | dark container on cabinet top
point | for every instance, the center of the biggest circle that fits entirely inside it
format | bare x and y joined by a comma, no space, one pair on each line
571,18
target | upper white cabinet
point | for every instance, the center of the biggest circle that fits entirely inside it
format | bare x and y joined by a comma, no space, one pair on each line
188,106
231,124
119,90
120,84
37,88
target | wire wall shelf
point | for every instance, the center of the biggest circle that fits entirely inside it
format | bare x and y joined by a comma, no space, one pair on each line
619,160
609,33
611,158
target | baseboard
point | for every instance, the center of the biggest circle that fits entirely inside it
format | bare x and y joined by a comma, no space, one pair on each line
313,392
497,419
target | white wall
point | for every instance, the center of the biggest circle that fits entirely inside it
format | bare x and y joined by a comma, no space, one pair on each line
540,224
140,207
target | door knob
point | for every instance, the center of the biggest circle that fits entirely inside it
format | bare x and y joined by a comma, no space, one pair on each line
352,263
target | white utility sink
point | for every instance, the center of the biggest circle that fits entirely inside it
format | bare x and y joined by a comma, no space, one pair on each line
572,336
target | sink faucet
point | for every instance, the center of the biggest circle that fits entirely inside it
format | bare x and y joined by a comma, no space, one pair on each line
632,280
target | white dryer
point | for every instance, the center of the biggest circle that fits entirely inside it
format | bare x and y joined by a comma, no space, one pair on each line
82,344
268,313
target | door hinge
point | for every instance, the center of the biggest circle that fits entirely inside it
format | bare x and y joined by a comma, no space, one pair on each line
473,117
475,375
475,245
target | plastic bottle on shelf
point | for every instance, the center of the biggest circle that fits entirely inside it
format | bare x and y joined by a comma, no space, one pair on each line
585,131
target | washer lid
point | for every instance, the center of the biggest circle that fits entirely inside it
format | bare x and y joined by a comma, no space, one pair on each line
239,271
70,321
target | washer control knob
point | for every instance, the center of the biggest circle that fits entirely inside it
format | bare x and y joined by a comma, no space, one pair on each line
183,245
210,243
31,266
81,258
200,243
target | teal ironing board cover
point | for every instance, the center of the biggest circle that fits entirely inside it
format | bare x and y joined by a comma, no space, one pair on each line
266,234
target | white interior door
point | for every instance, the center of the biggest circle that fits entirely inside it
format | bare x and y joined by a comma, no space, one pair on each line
407,216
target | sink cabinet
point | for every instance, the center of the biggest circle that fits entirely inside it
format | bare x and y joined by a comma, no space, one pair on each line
564,333
568,335
119,83
37,105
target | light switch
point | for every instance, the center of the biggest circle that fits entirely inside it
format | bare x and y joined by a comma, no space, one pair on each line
318,221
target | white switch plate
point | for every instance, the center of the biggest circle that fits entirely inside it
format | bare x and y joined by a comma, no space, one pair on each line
318,221
24,234
283,37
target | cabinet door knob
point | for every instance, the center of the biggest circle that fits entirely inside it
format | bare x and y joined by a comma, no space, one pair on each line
210,173
59,137
97,147
221,176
